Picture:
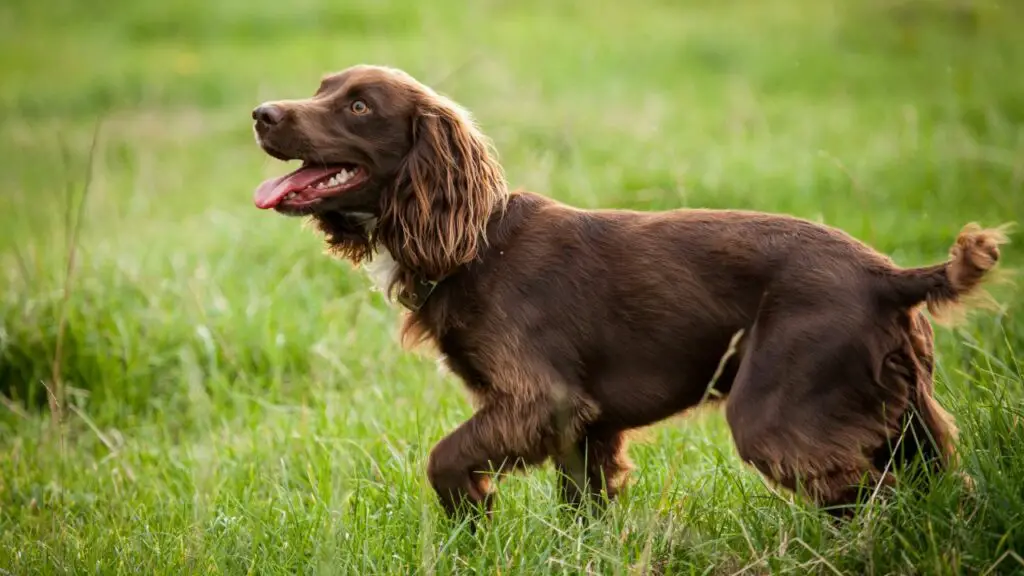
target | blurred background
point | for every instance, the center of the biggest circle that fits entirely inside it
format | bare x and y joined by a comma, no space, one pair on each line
207,361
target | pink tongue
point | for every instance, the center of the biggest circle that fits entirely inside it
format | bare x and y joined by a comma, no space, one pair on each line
270,193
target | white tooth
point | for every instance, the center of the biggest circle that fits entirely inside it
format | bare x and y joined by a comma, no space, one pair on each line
344,175
321,185
333,181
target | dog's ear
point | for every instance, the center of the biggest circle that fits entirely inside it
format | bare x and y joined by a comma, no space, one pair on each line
435,218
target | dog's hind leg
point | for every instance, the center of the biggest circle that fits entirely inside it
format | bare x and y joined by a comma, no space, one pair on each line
928,431
811,404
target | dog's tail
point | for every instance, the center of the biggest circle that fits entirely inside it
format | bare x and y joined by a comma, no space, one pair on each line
956,283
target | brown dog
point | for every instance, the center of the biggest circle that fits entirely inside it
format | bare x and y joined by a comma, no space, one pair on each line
571,327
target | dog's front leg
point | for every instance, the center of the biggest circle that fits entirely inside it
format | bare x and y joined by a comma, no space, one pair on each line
597,464
509,432
500,437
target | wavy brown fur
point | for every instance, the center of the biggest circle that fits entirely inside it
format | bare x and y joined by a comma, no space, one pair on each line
444,194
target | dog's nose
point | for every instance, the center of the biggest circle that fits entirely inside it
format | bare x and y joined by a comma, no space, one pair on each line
268,114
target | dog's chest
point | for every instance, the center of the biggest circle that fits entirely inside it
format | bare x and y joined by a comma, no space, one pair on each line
381,269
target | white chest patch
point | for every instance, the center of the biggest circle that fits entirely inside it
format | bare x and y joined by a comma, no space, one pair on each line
381,269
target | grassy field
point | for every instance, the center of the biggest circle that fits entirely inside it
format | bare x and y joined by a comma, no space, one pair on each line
236,402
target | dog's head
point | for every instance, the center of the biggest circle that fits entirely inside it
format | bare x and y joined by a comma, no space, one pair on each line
385,160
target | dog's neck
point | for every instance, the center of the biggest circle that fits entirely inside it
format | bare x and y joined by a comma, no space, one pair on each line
383,270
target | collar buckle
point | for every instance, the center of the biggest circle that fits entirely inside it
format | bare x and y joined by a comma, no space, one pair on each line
415,298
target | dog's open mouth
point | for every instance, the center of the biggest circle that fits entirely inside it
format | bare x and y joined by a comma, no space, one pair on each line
309,185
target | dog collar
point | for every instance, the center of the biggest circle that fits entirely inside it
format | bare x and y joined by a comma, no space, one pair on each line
416,297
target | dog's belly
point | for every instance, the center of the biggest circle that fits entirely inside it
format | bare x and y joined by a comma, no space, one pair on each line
633,397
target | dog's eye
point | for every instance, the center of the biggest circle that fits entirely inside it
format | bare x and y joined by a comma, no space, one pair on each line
359,107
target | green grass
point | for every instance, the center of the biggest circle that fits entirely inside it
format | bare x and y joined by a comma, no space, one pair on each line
237,402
